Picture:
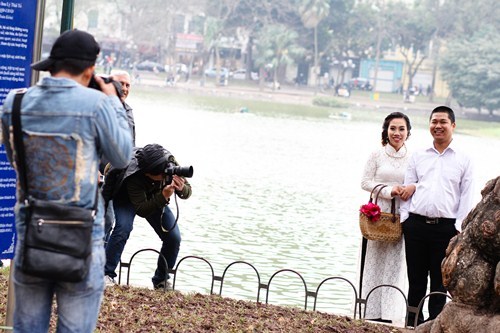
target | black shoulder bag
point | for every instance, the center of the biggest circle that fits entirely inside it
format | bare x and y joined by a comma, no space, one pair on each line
58,238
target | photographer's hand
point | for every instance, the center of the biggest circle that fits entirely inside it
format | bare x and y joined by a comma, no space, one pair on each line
167,191
106,88
176,185
178,182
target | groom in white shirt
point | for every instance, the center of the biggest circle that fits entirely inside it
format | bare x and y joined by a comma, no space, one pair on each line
441,177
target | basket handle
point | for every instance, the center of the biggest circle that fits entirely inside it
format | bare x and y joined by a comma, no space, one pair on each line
393,201
376,192
393,209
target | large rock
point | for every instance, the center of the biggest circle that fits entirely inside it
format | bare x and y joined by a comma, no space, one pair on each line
471,271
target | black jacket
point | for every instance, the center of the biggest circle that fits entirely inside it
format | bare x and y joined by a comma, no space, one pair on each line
131,184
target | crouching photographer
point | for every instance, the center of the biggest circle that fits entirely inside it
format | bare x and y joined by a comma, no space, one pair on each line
144,188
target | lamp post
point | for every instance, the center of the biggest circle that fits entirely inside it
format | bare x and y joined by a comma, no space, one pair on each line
379,42
67,15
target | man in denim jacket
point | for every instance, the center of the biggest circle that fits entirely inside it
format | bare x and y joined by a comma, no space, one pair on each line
67,128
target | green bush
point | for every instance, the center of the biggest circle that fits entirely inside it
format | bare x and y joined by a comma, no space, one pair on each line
330,102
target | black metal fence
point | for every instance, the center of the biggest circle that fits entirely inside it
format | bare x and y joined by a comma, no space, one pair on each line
359,307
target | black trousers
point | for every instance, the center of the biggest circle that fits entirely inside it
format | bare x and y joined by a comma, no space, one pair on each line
425,246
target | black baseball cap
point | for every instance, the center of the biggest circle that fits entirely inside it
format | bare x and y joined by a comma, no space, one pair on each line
71,44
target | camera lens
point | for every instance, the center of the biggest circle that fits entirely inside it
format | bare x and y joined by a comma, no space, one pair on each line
180,171
185,171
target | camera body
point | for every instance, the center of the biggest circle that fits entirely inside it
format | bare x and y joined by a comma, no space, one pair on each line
173,169
118,87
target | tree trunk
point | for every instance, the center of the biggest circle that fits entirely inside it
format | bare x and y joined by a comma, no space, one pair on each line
275,77
316,73
471,271
249,62
435,60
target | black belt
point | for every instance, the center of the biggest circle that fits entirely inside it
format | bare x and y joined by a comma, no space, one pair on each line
432,220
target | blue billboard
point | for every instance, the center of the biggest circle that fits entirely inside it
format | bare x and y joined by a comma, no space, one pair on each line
17,37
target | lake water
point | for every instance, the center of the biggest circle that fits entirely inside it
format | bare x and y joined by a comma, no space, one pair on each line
276,192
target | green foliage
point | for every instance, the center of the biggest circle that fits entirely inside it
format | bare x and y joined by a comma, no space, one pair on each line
471,67
343,29
330,102
411,33
277,45
408,27
349,29
468,17
313,11
148,22
213,27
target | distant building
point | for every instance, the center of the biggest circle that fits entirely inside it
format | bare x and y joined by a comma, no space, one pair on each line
389,75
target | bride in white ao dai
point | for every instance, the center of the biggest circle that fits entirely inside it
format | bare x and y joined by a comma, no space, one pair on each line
385,262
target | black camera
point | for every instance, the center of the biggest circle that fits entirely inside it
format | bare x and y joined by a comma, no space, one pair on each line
118,86
173,169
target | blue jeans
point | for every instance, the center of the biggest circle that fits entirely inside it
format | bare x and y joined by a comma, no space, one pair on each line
171,241
124,219
77,303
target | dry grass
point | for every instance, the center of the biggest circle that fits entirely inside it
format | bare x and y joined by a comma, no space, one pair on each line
142,310
129,309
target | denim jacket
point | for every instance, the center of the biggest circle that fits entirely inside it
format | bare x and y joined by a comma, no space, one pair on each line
67,129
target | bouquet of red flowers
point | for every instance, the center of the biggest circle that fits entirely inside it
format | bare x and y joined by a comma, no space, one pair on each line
371,210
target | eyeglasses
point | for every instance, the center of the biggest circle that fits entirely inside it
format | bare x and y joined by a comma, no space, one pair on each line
125,84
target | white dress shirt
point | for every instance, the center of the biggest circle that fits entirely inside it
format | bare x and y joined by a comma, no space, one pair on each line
444,184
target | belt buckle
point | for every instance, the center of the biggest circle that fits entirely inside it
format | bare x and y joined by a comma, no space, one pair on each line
432,220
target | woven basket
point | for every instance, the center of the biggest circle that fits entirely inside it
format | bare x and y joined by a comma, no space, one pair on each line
387,228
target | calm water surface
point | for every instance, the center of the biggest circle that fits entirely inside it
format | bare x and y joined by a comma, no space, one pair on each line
276,192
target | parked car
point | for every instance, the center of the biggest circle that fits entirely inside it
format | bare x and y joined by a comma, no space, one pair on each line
212,72
343,90
240,74
359,83
178,68
149,65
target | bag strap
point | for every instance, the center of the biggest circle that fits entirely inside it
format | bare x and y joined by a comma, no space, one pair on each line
19,147
393,209
393,200
18,142
393,204
373,190
380,188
